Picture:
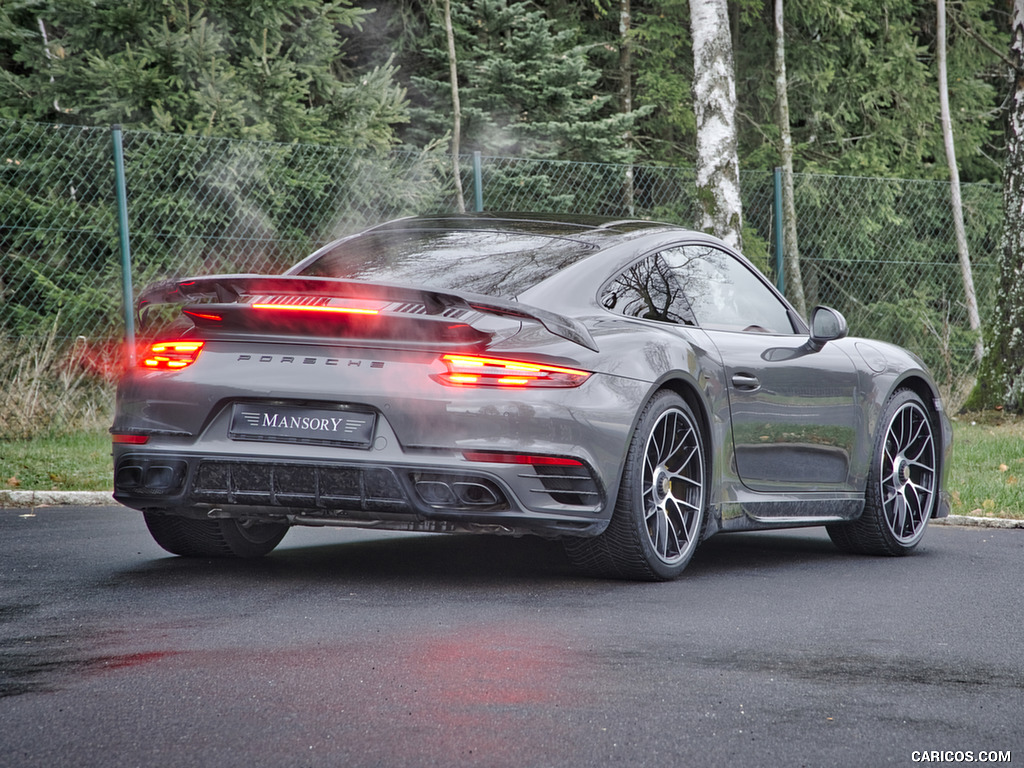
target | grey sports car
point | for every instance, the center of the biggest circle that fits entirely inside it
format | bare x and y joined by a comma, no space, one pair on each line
626,386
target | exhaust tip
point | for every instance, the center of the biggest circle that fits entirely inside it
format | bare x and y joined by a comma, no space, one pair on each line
458,492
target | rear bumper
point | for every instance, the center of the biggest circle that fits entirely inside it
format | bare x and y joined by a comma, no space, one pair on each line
431,495
418,467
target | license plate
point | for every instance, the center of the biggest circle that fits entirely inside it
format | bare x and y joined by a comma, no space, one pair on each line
300,424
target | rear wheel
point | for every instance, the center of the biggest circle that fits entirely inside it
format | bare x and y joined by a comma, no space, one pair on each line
213,538
660,511
902,483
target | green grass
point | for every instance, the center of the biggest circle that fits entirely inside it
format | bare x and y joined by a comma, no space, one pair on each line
985,479
78,461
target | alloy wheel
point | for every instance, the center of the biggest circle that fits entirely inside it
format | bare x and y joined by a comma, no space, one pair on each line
908,473
673,486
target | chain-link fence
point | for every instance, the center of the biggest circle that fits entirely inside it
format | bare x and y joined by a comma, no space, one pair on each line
880,250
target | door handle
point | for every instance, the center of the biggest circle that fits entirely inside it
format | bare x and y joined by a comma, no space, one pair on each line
746,382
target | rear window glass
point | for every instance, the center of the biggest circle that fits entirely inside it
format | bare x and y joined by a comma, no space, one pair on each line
494,263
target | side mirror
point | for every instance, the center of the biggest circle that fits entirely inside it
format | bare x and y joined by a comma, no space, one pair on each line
827,325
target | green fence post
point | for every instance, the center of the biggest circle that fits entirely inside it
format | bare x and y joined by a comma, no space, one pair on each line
126,254
780,274
478,183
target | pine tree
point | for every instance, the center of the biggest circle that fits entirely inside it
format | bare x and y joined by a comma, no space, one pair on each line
272,70
221,69
526,88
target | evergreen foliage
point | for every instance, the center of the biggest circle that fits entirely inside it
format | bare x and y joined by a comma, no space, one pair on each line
527,89
664,74
538,79
862,85
273,70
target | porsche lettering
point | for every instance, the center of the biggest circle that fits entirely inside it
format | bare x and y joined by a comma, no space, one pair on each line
329,361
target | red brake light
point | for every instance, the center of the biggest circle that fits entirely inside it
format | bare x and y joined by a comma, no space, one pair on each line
498,457
171,355
334,310
473,371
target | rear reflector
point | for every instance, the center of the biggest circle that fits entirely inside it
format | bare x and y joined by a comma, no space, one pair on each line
473,371
171,355
203,315
498,457
130,439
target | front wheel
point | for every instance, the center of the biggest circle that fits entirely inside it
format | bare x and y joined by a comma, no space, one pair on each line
660,511
213,538
902,483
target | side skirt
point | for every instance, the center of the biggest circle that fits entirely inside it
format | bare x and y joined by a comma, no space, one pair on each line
751,515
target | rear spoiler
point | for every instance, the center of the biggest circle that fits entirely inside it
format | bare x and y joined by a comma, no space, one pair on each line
233,289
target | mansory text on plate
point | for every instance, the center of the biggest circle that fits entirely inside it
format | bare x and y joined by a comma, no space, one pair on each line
626,386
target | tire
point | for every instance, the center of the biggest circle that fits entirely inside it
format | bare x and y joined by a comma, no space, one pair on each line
902,483
213,538
660,512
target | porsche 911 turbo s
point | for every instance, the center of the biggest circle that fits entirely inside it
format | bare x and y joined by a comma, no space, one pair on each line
626,386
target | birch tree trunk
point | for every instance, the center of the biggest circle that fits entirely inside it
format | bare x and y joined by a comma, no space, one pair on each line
453,74
714,103
790,244
626,94
971,298
1001,377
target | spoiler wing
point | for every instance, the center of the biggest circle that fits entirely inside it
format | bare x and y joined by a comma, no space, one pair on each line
230,289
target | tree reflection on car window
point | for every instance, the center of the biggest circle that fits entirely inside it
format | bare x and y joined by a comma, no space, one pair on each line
650,290
724,293
697,285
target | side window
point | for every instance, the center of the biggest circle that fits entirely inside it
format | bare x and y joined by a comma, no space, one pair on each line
723,293
648,289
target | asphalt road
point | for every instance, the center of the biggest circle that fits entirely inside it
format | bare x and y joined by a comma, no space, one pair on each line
355,649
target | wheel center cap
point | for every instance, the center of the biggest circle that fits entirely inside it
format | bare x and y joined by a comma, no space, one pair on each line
903,471
662,484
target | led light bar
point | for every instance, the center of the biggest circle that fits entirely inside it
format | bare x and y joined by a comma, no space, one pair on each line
323,304
333,310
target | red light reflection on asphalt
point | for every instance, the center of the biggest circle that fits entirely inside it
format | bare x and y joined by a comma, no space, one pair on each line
414,692
133,659
492,666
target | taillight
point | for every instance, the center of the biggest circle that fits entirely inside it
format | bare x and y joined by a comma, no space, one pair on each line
473,371
171,355
121,438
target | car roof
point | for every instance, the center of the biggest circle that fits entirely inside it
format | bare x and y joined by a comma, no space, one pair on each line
583,227
582,238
